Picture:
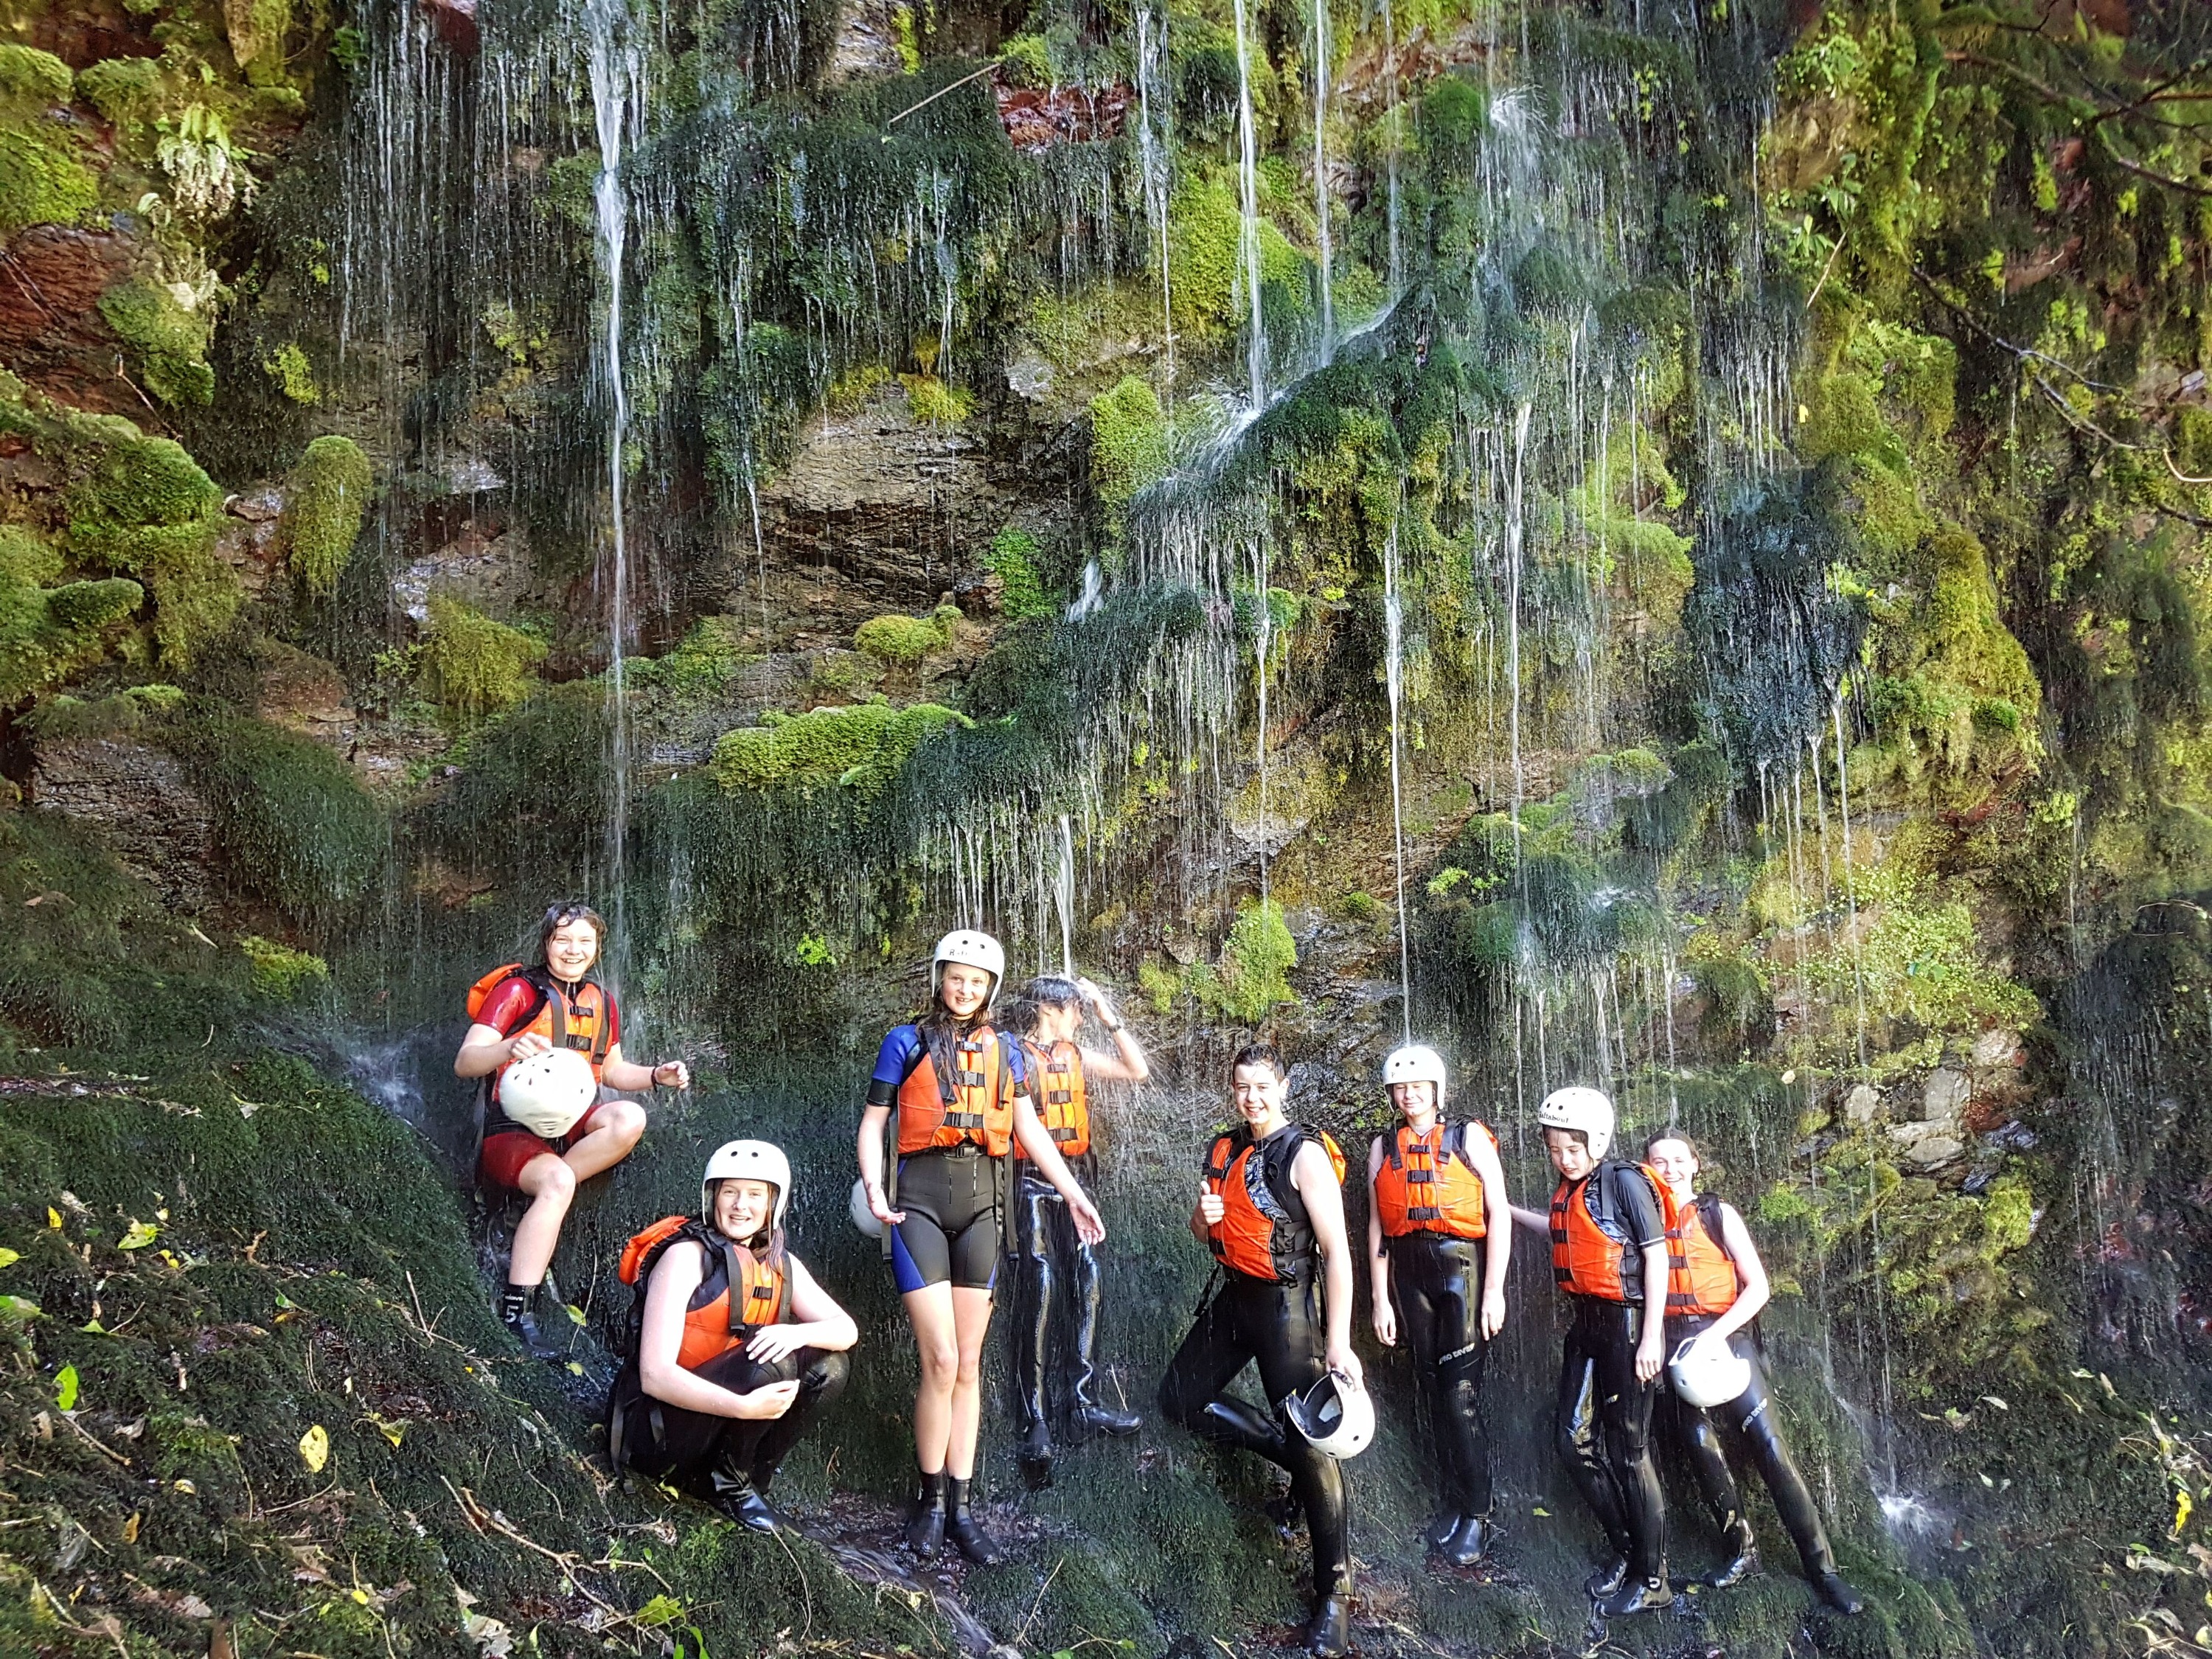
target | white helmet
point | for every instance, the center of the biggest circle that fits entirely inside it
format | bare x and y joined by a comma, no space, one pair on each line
747,1160
546,1093
1578,1107
863,1217
1335,1414
1415,1063
1707,1371
972,949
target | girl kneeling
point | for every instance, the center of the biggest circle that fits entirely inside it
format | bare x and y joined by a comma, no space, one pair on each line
738,1347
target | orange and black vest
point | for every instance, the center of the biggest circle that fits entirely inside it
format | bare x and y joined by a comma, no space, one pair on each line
1424,1183
581,1017
1056,1080
1701,1275
962,1089
716,1319
1264,1232
1592,1252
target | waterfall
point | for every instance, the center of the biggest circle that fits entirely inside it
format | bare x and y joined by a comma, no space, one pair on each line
1153,141
1394,632
1248,243
618,100
1324,42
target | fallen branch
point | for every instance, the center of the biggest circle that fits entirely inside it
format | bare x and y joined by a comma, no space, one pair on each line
571,1566
941,91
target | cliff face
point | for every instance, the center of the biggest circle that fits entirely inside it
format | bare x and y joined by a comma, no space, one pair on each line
1648,546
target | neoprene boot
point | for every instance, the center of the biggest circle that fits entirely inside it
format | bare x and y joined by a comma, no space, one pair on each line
925,1526
1091,1416
1035,1453
1328,1633
741,1501
1442,1525
967,1533
1467,1541
1830,1588
1637,1595
1743,1554
515,1312
1607,1580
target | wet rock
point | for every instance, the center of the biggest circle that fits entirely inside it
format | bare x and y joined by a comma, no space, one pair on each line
1931,1149
51,332
1943,1098
138,799
1035,120
1861,1105
455,22
263,506
1029,377
484,564
868,42
252,549
1997,1048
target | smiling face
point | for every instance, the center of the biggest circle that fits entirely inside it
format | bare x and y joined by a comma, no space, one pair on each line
1259,1091
744,1207
1570,1152
1058,1022
1676,1163
963,989
1417,1101
571,948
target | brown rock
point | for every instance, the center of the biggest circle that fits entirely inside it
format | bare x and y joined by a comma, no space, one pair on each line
51,332
137,798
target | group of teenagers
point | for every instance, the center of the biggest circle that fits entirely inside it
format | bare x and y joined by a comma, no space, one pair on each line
974,1114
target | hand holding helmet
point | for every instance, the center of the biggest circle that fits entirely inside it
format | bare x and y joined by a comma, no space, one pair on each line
1335,1414
548,1091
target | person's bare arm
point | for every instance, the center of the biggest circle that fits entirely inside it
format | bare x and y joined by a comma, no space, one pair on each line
1537,1221
674,1276
870,1152
817,1322
1755,1292
621,1074
1126,1063
486,1048
1384,1316
1036,1141
1315,1177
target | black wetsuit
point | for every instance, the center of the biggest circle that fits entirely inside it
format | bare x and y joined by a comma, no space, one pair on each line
688,1448
950,1200
1603,1418
1054,1268
1435,1285
1281,1327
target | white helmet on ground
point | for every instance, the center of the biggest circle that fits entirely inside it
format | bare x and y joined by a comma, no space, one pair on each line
1577,1108
1706,1371
863,1217
747,1160
974,949
1335,1414
547,1093
1415,1063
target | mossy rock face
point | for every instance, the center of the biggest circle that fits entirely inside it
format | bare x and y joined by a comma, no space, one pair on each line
862,747
41,183
47,633
472,665
144,508
906,640
167,341
324,501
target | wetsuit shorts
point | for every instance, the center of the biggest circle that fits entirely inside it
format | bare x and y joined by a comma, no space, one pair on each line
951,1233
507,1150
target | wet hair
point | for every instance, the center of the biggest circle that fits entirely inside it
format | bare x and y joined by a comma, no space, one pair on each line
559,915
1053,991
1673,1134
1260,1053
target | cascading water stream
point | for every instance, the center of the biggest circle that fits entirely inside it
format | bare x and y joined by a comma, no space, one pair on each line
1153,141
1324,42
1247,241
1394,628
617,101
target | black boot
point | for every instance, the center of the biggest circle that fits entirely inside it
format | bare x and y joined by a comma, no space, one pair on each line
967,1534
1035,1453
1090,1417
1442,1525
1606,1579
925,1526
1095,1418
1830,1588
741,1501
1743,1550
1637,1595
1467,1541
1328,1633
515,1312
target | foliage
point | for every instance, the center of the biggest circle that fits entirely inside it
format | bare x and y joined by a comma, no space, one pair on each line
288,366
1246,983
294,825
324,498
473,666
1012,558
49,632
166,338
1128,440
279,972
144,508
906,640
859,747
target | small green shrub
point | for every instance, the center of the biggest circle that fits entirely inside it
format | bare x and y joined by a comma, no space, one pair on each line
324,501
146,509
1249,983
851,391
1128,440
906,639
1013,560
279,972
48,634
932,403
473,666
294,376
295,826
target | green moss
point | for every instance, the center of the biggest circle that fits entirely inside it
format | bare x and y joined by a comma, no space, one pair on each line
32,82
1248,983
906,640
860,747
1025,60
294,376
1128,440
257,28
279,972
324,498
48,633
293,823
932,403
701,667
1012,559
851,391
145,508
41,183
126,91
473,666
168,341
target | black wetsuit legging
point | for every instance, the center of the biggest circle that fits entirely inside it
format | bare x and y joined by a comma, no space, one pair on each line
1604,1427
1435,1285
674,1443
951,1233
1051,1264
1280,1327
1752,1414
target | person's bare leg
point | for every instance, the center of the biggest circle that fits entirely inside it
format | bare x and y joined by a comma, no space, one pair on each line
550,1183
971,1321
614,1136
931,1311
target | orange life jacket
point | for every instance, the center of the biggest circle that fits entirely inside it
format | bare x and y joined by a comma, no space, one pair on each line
585,1022
1056,1085
1701,1275
1264,1232
1426,1184
714,1321
1592,1253
976,1103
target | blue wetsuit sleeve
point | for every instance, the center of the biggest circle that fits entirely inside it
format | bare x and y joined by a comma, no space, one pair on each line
894,1061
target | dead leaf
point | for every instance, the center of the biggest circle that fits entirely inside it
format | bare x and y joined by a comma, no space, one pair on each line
315,1448
130,1529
